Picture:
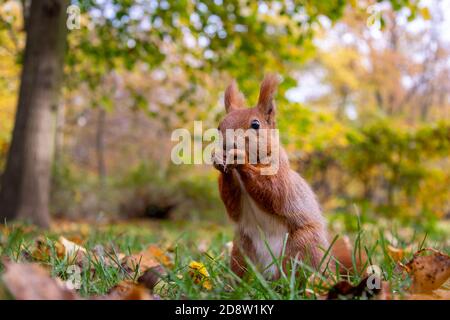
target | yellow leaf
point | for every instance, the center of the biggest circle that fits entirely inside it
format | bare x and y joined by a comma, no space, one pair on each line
200,274
397,254
199,267
207,284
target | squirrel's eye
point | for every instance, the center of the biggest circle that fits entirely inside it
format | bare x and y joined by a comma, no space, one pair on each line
255,124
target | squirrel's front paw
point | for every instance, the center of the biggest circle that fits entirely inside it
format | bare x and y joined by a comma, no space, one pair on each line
218,162
236,158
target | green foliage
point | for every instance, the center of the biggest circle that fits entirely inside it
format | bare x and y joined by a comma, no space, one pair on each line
382,166
244,27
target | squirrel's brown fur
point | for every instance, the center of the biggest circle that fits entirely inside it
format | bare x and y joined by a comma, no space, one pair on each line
266,208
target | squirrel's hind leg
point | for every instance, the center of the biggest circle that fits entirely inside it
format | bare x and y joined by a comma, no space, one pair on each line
307,244
237,261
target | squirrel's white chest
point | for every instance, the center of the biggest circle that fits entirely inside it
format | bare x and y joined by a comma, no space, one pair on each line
263,229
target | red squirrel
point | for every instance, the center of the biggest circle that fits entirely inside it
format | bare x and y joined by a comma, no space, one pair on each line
267,209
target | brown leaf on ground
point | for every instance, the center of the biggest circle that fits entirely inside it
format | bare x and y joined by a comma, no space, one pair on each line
160,255
151,257
72,250
27,281
126,290
151,277
63,247
30,281
439,294
446,285
42,249
345,289
76,238
429,269
343,252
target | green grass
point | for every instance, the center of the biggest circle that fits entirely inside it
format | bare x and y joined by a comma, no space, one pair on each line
207,243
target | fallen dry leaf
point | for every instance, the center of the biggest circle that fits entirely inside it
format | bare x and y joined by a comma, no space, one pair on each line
200,274
72,250
126,290
27,281
42,249
63,248
160,256
446,285
429,269
151,257
30,281
151,277
439,294
78,239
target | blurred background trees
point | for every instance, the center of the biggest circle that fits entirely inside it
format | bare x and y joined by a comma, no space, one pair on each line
363,108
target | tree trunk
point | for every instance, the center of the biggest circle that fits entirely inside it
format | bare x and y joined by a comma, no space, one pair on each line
25,186
59,134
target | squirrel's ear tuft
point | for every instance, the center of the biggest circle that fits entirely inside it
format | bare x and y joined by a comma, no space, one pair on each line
268,89
234,99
